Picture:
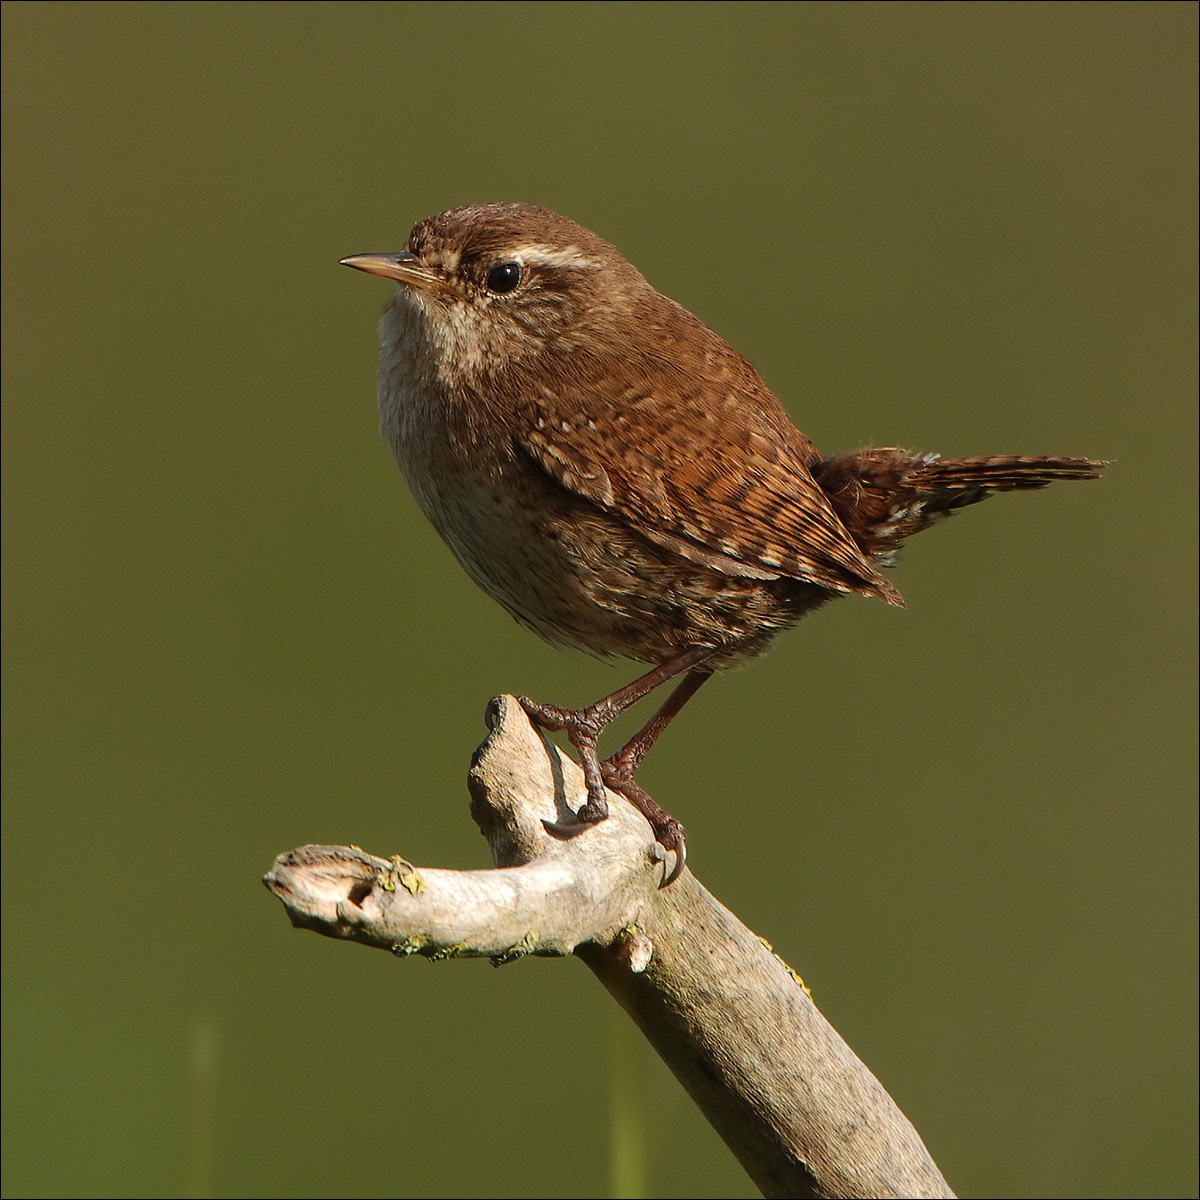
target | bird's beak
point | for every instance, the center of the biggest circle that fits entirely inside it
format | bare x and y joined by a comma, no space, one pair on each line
406,269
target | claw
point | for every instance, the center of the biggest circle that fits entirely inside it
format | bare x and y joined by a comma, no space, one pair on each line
668,832
587,815
672,841
565,829
680,849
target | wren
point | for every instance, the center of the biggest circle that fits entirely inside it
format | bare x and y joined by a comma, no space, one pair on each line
622,480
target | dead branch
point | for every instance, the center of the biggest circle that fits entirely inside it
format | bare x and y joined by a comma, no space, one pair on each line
799,1110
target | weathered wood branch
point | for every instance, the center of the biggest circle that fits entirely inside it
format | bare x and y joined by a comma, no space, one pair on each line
802,1114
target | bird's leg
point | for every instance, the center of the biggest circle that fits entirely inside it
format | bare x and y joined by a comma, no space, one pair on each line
584,726
620,767
618,770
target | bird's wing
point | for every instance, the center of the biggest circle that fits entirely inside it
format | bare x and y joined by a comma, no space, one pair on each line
707,467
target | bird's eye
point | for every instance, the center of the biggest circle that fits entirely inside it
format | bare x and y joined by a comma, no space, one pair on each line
504,278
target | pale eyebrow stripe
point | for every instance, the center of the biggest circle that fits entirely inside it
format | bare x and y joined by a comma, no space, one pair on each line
558,256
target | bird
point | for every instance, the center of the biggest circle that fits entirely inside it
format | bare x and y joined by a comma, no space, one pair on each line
621,479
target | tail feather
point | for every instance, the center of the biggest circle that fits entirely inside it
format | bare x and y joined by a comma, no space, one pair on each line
1000,473
885,495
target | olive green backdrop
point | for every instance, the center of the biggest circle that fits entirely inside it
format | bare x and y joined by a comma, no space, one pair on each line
969,825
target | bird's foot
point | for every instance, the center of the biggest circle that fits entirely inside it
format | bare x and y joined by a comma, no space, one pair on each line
551,717
583,728
668,832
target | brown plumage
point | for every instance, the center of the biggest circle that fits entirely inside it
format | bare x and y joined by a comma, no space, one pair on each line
884,495
618,476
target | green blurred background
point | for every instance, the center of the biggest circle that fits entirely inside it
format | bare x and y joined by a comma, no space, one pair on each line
970,825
